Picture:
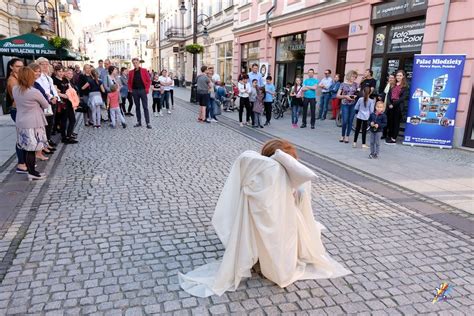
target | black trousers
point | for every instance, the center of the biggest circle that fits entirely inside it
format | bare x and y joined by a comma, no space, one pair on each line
311,102
30,161
68,120
130,103
268,111
172,97
361,123
245,103
51,122
394,116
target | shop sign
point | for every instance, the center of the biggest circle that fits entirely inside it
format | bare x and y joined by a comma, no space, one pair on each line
433,100
406,37
398,8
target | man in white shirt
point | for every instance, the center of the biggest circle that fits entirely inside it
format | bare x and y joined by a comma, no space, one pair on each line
214,76
325,84
46,83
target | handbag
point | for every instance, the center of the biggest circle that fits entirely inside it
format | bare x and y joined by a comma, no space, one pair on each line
48,111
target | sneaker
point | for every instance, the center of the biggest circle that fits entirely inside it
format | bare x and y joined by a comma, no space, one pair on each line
148,126
124,125
241,124
37,176
375,156
312,126
371,156
354,145
137,125
261,126
365,146
266,123
155,114
303,126
208,121
21,171
389,141
214,120
161,113
169,112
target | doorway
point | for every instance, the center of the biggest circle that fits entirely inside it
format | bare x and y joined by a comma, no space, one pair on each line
286,72
341,57
469,130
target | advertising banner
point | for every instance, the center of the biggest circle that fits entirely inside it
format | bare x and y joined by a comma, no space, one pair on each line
264,70
433,100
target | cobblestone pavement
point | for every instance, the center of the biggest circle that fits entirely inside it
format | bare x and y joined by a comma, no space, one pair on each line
125,210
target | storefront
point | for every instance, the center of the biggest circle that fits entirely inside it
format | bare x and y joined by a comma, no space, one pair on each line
290,53
398,35
249,56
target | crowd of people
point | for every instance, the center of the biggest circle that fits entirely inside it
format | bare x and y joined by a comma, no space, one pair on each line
42,99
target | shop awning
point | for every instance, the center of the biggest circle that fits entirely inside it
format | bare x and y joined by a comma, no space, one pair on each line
32,46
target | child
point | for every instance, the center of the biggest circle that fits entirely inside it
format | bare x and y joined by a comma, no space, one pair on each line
113,105
296,101
258,107
156,94
377,121
364,106
269,96
253,98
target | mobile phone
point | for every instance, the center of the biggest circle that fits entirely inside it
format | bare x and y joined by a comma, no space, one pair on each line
352,97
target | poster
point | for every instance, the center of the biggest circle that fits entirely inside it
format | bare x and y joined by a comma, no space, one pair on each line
433,100
264,70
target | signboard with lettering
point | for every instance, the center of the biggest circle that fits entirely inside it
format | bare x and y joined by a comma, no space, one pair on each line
27,45
406,37
433,101
291,47
395,9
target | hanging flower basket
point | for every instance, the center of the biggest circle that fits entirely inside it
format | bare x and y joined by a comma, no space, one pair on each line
195,48
60,42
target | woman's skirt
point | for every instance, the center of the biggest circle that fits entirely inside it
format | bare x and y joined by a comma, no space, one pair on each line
95,98
31,139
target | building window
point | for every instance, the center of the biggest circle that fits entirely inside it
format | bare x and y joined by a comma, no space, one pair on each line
224,61
290,53
249,55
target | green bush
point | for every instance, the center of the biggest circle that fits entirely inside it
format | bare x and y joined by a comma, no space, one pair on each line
60,42
194,48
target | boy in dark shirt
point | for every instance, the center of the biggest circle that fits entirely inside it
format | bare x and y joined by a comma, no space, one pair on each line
377,121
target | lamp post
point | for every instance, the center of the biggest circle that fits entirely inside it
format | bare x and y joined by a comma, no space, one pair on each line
182,9
42,7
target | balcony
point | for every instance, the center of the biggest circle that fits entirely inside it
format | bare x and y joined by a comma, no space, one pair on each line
174,34
64,10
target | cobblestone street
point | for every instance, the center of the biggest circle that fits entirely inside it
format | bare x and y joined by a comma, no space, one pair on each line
125,210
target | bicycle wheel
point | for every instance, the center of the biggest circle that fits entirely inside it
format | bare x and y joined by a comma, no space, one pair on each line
277,111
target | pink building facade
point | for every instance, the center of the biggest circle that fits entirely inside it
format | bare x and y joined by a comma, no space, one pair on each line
293,36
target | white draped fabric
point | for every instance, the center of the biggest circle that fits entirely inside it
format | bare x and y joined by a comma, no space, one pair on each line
264,214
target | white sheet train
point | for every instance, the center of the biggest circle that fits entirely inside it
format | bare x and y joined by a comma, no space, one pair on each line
264,214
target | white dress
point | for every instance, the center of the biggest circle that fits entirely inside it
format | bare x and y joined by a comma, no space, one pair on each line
264,214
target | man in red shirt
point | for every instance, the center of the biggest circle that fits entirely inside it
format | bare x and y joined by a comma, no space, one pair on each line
139,84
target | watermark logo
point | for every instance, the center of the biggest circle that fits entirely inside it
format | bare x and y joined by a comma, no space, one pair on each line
442,292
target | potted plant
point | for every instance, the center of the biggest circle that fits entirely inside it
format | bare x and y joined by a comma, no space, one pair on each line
194,48
60,42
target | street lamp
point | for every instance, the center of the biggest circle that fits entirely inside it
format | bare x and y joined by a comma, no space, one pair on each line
204,22
42,7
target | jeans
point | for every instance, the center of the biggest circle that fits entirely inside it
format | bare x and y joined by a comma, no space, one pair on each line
51,122
312,108
140,95
115,116
323,109
165,100
348,113
156,104
210,109
96,114
375,142
294,113
268,111
256,119
20,153
361,124
68,120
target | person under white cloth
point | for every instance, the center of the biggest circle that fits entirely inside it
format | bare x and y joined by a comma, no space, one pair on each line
264,214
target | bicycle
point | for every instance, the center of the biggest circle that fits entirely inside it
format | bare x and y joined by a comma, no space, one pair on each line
282,103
